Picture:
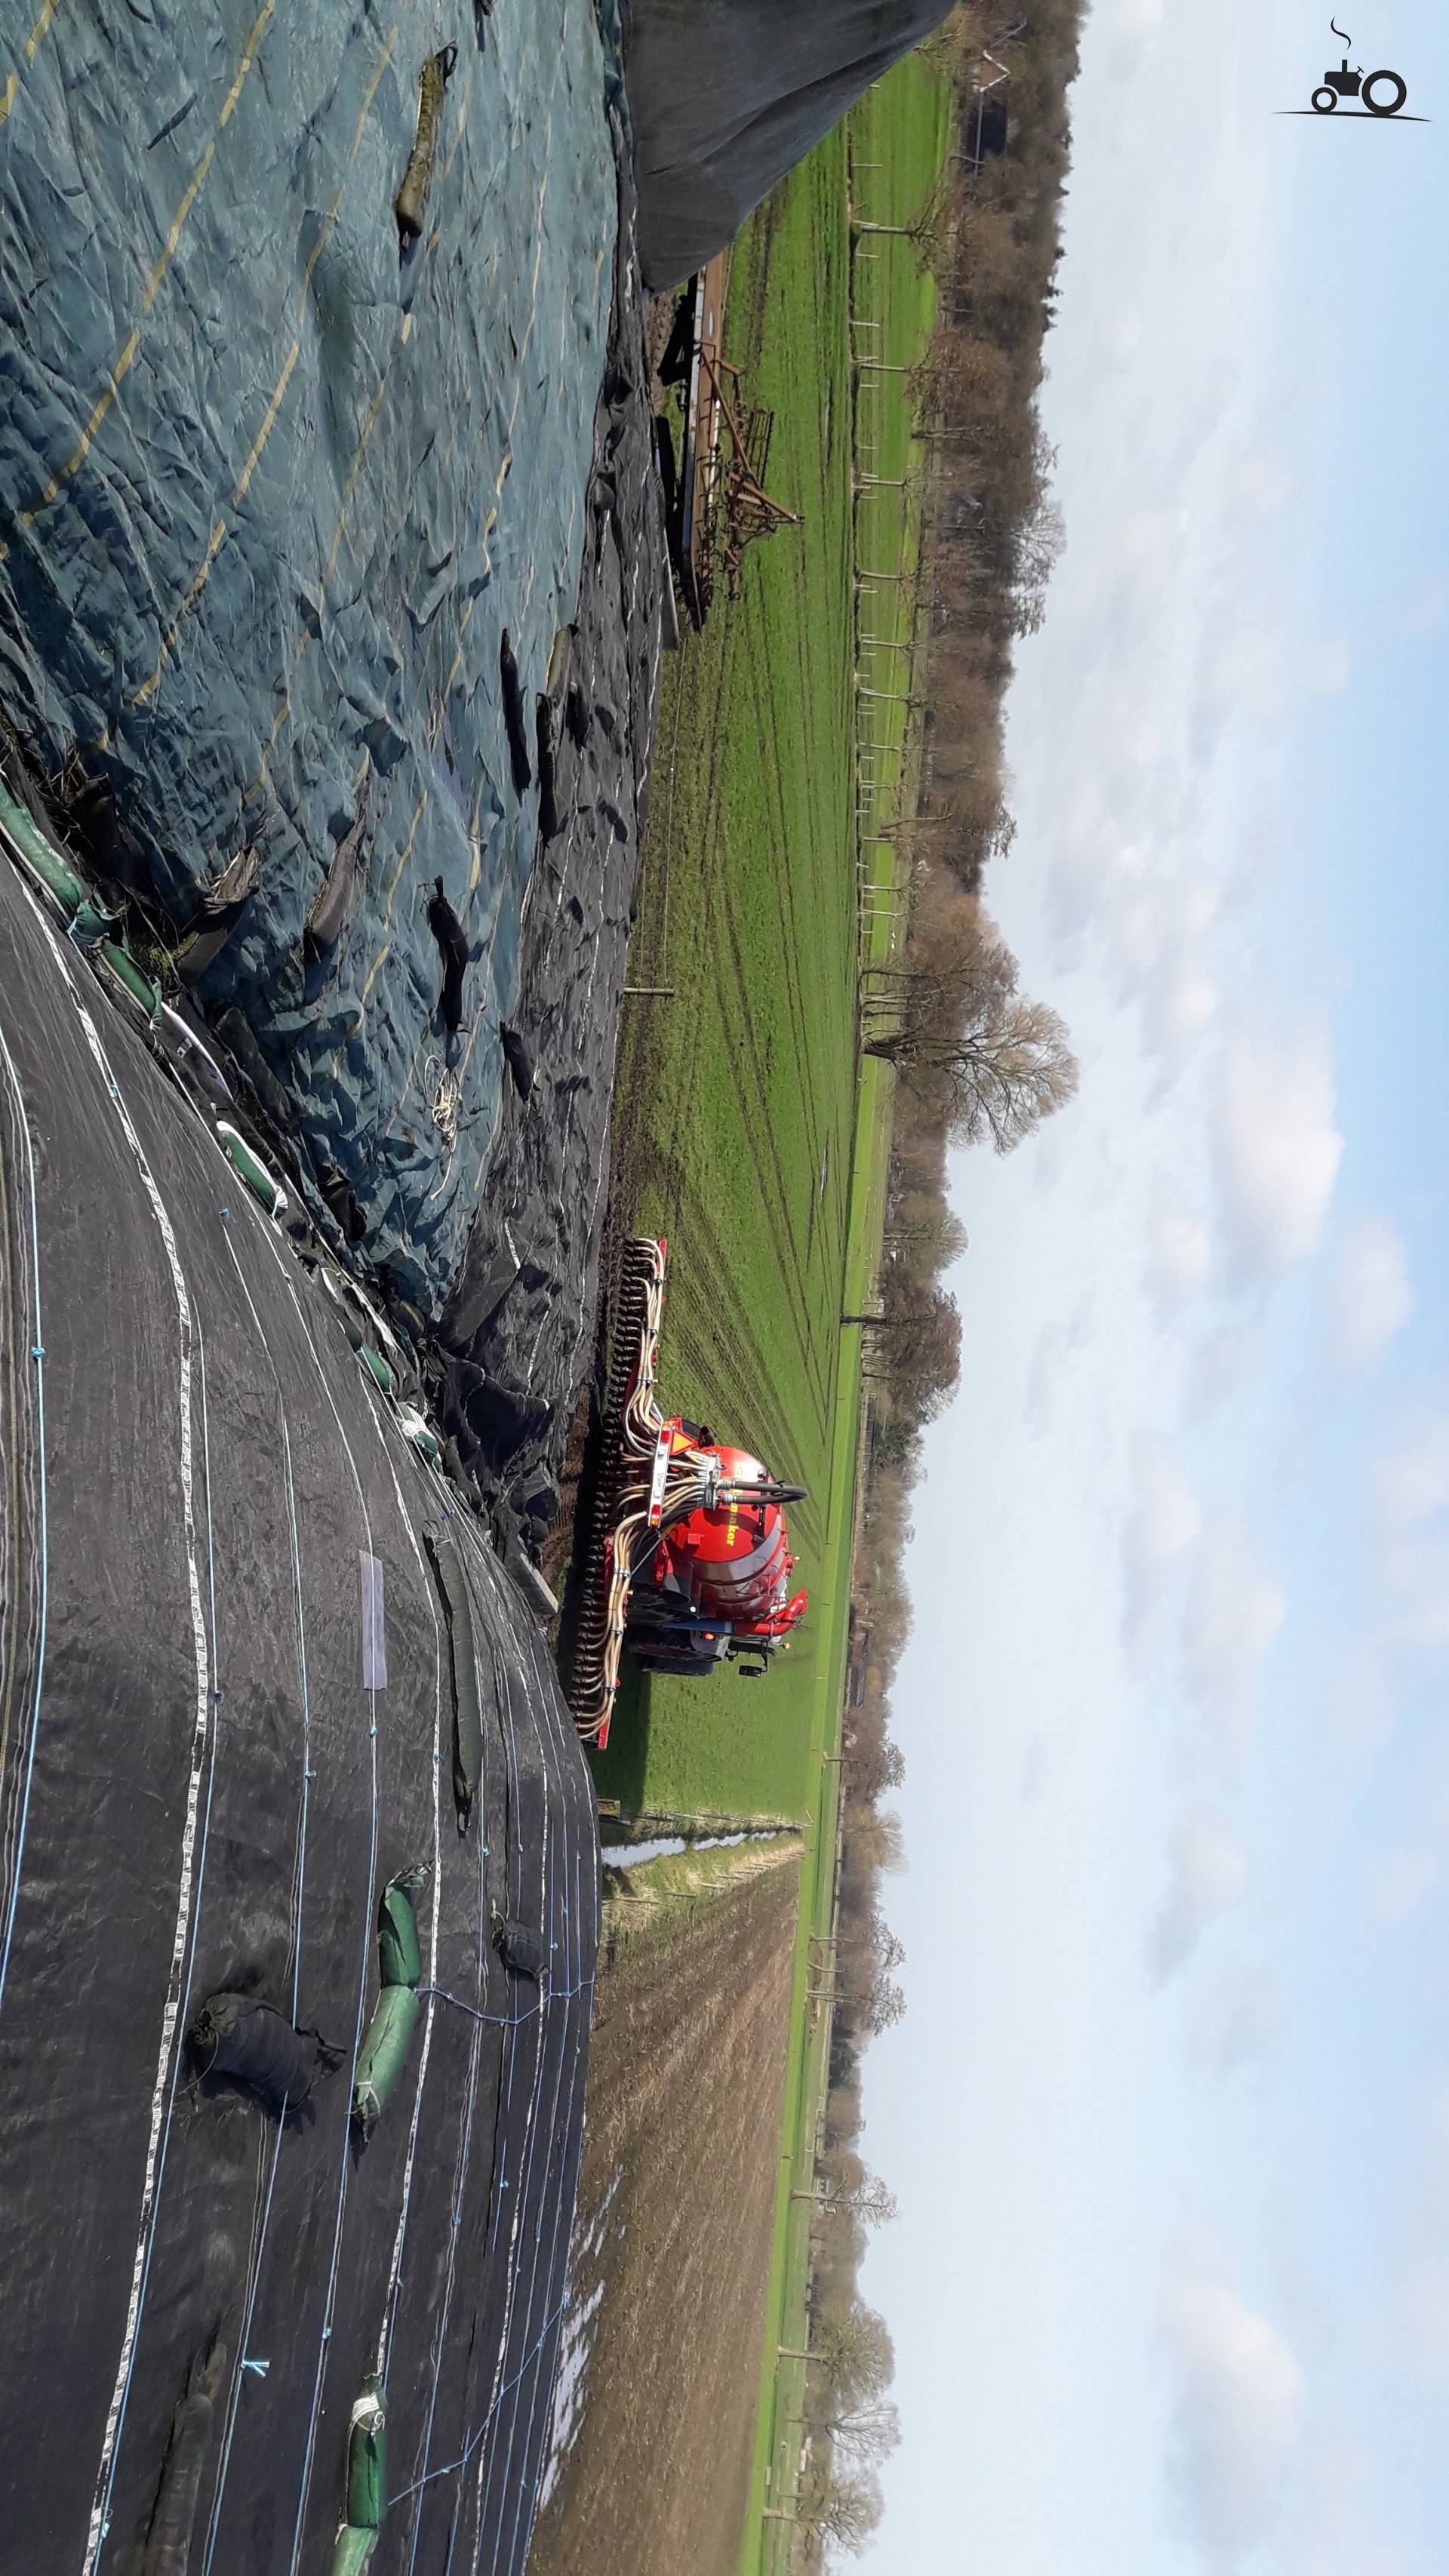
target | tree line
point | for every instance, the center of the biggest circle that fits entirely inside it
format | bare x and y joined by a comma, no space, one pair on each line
975,1062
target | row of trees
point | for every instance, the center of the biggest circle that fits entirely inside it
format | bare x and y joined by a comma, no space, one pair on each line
975,1062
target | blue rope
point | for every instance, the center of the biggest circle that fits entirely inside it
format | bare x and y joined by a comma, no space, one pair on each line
506,2021
476,2437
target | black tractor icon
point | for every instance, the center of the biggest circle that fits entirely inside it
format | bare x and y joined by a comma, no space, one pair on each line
1382,93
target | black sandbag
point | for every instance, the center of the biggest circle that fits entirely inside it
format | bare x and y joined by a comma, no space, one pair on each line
547,774
513,720
517,1946
240,2036
517,1057
452,942
777,75
513,717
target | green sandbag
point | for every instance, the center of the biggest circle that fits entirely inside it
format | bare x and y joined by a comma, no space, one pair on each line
43,861
251,1169
367,2458
129,976
400,1961
384,2054
353,2550
467,1713
377,1365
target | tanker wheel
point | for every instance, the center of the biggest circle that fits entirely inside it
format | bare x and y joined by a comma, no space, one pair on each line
1324,101
1378,107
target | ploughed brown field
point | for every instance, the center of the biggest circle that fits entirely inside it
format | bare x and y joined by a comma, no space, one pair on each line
661,2359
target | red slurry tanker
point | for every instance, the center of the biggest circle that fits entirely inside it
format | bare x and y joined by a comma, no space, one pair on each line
689,1557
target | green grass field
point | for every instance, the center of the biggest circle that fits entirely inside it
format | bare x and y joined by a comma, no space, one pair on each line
735,1102
750,1133
738,1112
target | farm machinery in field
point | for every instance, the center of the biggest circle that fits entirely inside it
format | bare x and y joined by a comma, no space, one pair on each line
688,1558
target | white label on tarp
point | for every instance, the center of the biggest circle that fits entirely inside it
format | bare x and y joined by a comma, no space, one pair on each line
374,1634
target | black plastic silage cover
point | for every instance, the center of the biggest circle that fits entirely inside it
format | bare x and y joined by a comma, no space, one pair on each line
211,1762
270,495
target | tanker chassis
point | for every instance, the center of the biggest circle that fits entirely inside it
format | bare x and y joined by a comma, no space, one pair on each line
689,1559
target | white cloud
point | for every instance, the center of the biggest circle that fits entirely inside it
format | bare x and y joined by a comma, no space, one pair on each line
1328,667
1222,1364
1278,1150
1208,1873
1036,1770
1427,603
1363,1700
1337,2536
1242,2022
1403,1882
1164,1520
1258,484
1411,1485
1410,1490
1372,1296
1178,1262
1237,2417
1057,1344
1423,2300
1234,1611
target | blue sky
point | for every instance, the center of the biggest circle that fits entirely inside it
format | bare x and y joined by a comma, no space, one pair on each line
1169,2116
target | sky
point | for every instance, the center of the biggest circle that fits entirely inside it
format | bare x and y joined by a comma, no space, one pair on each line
1168,2118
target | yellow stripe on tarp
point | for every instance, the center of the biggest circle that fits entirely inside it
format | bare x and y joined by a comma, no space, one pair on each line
219,533
33,43
349,489
407,850
122,367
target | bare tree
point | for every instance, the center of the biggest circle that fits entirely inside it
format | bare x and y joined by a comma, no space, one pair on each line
1040,543
855,2355
915,1348
998,1081
867,2429
990,1064
934,1242
848,2512
885,2005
